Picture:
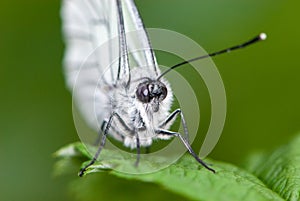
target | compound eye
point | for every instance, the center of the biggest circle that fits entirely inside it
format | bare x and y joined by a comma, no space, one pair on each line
164,92
143,93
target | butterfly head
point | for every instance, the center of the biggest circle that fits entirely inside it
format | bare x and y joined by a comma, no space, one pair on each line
152,92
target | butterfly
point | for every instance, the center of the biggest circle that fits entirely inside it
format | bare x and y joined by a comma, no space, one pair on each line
112,71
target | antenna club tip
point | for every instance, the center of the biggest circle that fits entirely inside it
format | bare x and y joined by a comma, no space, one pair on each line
263,36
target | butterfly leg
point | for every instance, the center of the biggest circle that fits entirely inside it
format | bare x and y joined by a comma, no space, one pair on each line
97,141
105,126
133,132
187,145
169,120
138,147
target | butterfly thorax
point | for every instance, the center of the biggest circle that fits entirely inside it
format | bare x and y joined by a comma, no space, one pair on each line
142,106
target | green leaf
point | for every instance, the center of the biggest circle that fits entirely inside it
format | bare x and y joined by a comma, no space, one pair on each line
279,170
185,177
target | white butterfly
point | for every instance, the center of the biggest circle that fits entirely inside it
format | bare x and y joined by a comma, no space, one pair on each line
132,100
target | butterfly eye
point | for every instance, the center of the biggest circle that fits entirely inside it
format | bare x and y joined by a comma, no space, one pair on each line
158,91
143,93
163,93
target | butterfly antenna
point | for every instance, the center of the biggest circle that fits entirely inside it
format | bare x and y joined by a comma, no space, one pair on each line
258,38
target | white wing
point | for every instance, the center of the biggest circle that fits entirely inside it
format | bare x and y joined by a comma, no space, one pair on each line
86,25
93,37
138,38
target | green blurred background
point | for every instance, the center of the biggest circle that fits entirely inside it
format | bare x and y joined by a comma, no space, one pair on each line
262,85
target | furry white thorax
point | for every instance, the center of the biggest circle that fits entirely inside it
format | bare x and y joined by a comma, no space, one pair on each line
138,116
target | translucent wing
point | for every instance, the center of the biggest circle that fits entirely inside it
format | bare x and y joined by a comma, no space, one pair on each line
138,41
98,33
87,25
